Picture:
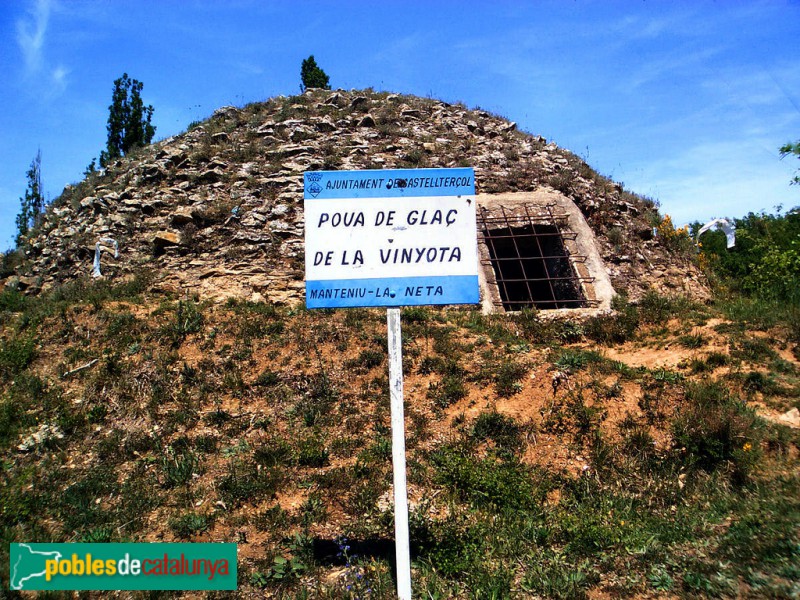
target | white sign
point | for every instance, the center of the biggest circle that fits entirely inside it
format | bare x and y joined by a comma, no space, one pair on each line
390,238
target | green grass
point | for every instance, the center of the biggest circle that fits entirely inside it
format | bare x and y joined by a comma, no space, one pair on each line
187,525
245,482
503,431
16,354
691,494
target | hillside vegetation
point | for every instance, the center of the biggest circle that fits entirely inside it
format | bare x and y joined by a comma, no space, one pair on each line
639,453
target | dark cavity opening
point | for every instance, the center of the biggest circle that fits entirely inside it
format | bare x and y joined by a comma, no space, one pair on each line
533,268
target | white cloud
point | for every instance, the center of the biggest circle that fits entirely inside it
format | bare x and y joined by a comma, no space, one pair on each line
59,76
728,178
31,34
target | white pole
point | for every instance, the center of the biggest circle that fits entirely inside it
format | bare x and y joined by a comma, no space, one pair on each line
399,454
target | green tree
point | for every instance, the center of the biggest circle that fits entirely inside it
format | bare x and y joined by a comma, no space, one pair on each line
788,149
128,120
765,262
312,76
32,203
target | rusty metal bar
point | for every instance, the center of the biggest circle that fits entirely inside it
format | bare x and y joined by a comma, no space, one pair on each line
579,258
492,230
519,255
544,262
493,251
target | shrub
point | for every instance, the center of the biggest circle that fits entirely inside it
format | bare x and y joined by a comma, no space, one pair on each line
15,356
311,452
714,430
448,391
487,482
616,328
190,524
499,428
675,240
12,299
508,378
246,482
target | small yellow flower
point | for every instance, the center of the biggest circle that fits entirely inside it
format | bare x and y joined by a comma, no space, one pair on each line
747,447
622,523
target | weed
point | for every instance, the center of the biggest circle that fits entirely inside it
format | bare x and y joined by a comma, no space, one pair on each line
177,466
206,443
662,375
660,579
190,524
711,361
247,483
274,518
319,395
655,308
499,428
187,320
366,360
557,577
312,511
616,237
692,341
754,349
284,569
124,329
577,360
508,378
273,452
416,314
715,429
756,381
311,452
616,328
431,364
15,356
570,332
448,391
78,505
267,378
486,482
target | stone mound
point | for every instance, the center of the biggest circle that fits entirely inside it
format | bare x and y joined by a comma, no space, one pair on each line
218,210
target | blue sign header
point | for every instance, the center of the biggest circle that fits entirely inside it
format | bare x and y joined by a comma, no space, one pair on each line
399,183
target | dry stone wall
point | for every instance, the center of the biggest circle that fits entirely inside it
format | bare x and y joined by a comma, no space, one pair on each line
218,210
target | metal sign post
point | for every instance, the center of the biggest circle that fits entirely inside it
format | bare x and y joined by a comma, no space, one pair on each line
391,238
402,550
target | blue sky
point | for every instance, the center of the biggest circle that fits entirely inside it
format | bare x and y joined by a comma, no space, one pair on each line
685,102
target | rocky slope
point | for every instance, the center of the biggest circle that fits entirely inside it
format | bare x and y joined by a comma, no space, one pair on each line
218,210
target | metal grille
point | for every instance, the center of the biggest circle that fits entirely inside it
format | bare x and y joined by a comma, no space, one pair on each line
532,264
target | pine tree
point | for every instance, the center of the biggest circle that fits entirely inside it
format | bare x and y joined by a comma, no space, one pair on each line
128,120
312,76
32,203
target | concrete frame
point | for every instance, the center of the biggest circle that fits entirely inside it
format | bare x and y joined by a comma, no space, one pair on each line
599,291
